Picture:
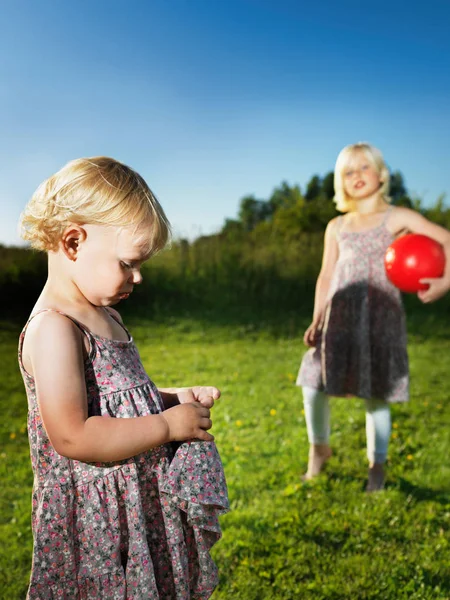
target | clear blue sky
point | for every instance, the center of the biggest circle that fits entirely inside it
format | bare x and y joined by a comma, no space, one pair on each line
211,100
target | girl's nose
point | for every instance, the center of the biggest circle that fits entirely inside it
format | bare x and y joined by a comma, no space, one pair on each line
136,277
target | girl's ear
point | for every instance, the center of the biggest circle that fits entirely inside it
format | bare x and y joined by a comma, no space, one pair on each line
71,239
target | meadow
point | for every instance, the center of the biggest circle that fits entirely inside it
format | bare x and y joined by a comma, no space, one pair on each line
282,539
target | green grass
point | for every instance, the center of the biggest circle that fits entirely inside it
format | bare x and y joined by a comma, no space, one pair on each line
282,539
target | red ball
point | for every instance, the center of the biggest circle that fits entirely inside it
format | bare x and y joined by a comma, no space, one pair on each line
411,258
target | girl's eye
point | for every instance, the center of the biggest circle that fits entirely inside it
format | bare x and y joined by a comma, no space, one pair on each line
349,173
125,265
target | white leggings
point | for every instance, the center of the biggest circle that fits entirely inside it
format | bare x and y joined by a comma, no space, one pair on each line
378,423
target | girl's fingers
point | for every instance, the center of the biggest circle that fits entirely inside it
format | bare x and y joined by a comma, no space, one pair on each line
307,337
433,293
206,395
208,402
204,436
215,392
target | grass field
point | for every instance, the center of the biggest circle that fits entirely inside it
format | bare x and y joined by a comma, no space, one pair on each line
282,539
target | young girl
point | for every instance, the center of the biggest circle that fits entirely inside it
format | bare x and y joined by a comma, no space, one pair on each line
358,336
115,514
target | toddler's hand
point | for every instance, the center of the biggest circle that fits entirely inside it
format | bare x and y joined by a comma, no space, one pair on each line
188,421
437,288
206,395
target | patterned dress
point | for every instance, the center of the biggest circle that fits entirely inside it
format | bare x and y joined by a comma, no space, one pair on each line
136,529
361,350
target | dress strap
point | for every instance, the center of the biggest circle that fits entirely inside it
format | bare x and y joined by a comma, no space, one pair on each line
112,313
82,328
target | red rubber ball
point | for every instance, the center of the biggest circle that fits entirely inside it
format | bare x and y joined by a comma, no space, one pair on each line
411,258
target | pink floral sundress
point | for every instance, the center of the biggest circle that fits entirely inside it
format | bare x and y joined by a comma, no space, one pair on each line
137,529
361,350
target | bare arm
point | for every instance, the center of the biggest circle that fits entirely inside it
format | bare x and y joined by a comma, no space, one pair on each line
330,256
61,391
411,220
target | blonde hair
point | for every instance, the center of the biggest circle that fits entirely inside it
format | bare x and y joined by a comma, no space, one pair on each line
97,191
343,202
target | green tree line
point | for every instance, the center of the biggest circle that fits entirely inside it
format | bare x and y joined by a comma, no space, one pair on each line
267,257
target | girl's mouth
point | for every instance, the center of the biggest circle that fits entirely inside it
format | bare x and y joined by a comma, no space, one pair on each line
359,185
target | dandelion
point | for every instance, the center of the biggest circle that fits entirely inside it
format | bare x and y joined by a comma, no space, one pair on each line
291,377
273,412
12,436
22,429
394,435
395,425
238,423
425,403
409,457
236,448
303,412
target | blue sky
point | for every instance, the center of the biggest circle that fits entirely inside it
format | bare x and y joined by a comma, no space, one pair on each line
211,100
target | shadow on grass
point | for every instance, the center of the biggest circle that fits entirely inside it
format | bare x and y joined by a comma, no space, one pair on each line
437,581
422,494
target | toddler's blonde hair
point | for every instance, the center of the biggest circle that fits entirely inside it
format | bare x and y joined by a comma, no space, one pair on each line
343,202
97,191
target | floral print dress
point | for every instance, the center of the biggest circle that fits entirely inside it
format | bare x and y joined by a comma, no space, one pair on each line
136,529
361,350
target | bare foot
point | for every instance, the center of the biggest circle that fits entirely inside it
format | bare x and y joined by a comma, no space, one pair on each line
318,456
376,478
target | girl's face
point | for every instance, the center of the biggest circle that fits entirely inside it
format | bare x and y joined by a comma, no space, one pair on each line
108,263
361,178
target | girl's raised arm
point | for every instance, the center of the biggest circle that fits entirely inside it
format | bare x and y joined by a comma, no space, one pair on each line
53,351
406,219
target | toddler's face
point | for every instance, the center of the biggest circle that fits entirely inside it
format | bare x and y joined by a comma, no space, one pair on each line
361,178
109,261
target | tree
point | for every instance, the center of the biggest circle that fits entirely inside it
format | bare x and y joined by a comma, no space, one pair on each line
313,188
253,211
232,228
328,186
284,196
398,192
